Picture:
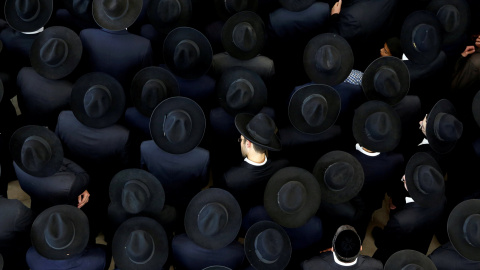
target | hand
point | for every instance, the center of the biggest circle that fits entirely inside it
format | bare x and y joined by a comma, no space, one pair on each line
336,8
83,198
477,42
469,49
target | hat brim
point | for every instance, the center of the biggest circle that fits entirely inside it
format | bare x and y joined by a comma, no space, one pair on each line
224,14
228,233
455,224
15,22
241,122
441,147
16,143
464,18
82,232
130,16
296,5
407,256
165,27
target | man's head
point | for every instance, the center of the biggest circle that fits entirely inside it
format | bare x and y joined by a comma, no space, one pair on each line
246,146
392,47
346,244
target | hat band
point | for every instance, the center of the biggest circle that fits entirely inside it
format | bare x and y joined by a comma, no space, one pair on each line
257,136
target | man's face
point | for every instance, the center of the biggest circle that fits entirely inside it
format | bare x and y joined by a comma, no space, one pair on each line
385,51
243,147
423,125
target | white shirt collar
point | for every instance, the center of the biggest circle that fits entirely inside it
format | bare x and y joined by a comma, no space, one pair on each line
343,263
425,141
409,200
34,32
255,163
359,148
404,57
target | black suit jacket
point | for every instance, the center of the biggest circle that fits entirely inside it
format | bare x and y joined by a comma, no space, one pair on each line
325,261
446,257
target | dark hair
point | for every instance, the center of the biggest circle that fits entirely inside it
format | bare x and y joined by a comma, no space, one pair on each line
346,244
395,46
258,148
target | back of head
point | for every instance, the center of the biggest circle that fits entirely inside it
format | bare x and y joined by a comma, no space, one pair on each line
395,46
346,244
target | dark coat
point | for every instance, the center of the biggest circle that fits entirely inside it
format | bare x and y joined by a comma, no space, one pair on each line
446,257
92,258
325,261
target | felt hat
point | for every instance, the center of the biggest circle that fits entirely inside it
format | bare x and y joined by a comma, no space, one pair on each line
292,196
463,229
376,126
28,15
346,243
226,8
386,79
177,125
314,108
213,218
166,15
116,15
150,86
296,5
56,52
60,232
443,127
267,246
340,176
260,129
36,150
328,59
475,107
454,16
409,259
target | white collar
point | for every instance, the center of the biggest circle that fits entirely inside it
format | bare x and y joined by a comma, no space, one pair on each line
404,57
359,148
343,263
34,32
409,200
255,163
425,141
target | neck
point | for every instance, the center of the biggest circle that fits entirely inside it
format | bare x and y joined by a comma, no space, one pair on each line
256,157
366,150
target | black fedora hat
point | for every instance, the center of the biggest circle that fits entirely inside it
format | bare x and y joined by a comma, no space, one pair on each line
386,79
424,179
296,5
443,128
56,52
346,243
165,15
260,129
187,52
409,259
97,100
243,35
340,176
226,8
116,15
267,246
213,218
462,227
421,37
28,15
150,86
241,90
60,232
140,243
328,59
36,150
177,125
475,107
454,16
292,196
314,108
376,126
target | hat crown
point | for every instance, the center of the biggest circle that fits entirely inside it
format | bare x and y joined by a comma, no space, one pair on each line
27,10
386,82
447,127
262,128
153,92
328,59
140,247
412,266
97,101
115,9
240,93
449,17
471,230
244,36
292,197
314,109
59,231
234,6
135,196
423,36
268,245
338,175
54,52
428,180
168,11
177,126
378,126
212,218
186,54
35,153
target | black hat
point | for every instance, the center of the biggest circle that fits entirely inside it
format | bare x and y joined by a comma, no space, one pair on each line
292,196
296,5
454,16
36,150
463,229
340,176
187,52
226,8
421,37
267,246
140,243
81,9
346,243
60,232
56,52
165,15
260,129
376,126
409,259
177,125
314,108
386,79
425,180
328,59
213,218
243,35
150,86
241,90
475,107
28,15
116,15
443,128
216,267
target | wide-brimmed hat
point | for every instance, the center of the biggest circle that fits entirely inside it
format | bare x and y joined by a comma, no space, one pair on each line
340,176
177,125
386,79
346,243
187,52
328,59
226,8
56,52
213,218
296,5
241,90
462,227
443,128
475,107
165,15
259,129
424,178
116,15
140,243
292,196
36,150
376,126
243,35
454,16
97,100
421,37
409,259
60,232
267,246
28,15
150,86
81,9
314,108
